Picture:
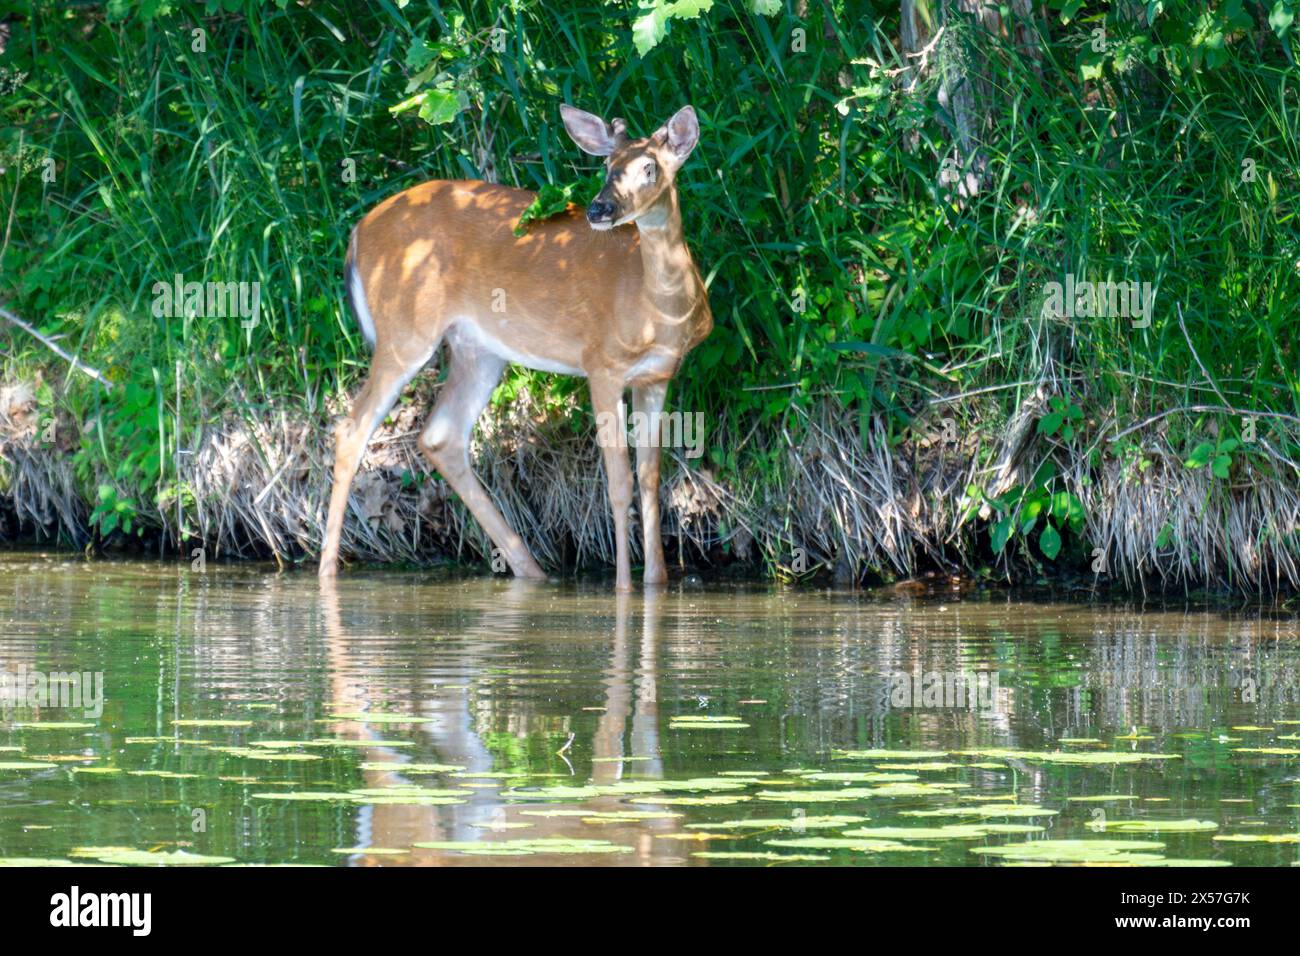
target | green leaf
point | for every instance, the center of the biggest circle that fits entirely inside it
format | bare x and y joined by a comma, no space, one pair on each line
1221,465
1281,17
440,105
1049,542
418,54
1200,456
1049,424
1002,534
552,200
408,104
652,25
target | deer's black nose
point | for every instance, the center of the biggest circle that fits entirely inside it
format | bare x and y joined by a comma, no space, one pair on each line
600,210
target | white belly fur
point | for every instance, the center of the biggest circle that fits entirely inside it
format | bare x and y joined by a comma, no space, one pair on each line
466,329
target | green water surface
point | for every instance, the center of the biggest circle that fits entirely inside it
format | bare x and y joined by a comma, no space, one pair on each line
407,719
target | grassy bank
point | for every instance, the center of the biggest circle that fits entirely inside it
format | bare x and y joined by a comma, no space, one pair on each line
882,199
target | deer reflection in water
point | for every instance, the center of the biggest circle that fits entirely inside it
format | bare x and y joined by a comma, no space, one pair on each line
625,740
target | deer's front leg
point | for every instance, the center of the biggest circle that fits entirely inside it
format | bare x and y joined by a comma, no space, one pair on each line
648,401
611,435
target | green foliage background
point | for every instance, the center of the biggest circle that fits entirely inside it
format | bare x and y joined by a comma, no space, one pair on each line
840,269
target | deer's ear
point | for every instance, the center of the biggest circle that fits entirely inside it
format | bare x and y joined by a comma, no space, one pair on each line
681,133
592,134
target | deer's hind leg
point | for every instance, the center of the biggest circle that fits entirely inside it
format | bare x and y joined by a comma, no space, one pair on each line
474,372
390,372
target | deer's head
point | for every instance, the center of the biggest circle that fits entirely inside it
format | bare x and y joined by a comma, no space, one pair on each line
638,172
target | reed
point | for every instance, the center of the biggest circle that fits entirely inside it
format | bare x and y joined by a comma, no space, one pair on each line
859,301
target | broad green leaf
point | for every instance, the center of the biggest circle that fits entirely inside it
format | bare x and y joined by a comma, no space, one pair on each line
1049,542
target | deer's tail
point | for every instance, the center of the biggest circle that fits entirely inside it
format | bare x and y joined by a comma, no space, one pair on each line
357,292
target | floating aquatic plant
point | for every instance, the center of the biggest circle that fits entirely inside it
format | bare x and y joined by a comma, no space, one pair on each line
25,862
987,810
717,800
952,831
525,847
785,823
1078,851
1258,838
1156,826
411,768
370,851
376,717
889,754
758,856
859,845
173,858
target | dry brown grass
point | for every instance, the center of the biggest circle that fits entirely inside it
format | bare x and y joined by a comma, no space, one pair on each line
261,487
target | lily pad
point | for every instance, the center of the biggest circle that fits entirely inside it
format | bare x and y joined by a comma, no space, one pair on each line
713,800
1104,758
307,796
1258,838
27,861
526,847
1157,826
757,856
705,725
376,717
817,796
411,768
620,815
859,845
174,858
369,851
889,754
365,743
988,810
163,774
1078,851
784,823
1103,798
952,831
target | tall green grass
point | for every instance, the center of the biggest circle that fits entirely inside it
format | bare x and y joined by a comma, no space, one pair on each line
816,184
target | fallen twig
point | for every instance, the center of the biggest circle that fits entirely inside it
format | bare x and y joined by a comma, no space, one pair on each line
56,349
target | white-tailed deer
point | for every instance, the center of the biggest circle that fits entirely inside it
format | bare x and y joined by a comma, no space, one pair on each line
612,295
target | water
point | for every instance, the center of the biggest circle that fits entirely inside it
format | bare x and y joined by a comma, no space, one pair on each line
521,689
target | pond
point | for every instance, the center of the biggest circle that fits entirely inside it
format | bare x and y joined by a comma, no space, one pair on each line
240,715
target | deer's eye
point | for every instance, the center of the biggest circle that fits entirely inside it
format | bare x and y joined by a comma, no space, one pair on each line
649,170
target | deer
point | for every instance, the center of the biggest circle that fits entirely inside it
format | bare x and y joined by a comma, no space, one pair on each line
609,293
